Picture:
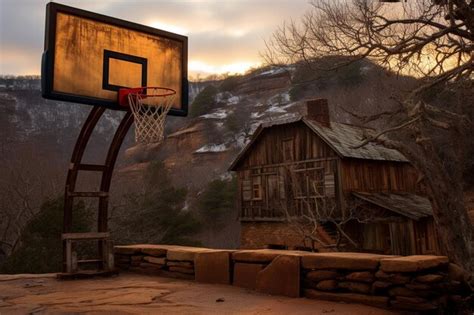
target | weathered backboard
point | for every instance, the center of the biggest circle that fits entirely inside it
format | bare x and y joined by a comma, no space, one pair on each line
88,57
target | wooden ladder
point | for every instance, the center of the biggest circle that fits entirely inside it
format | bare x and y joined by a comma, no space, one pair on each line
105,264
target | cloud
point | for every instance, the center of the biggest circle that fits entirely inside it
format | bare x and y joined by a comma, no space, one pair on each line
222,34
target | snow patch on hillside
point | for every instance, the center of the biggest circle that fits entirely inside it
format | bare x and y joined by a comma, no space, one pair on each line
212,148
272,72
256,115
218,114
275,109
233,100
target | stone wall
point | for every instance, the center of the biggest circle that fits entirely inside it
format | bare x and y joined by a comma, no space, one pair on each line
420,283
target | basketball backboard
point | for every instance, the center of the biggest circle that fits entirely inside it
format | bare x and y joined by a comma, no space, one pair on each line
88,57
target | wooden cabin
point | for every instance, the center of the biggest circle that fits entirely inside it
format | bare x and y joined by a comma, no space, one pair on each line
308,164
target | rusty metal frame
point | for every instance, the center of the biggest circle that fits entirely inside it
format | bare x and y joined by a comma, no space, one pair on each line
103,195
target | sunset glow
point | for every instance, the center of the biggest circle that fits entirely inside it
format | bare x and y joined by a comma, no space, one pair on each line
198,67
223,36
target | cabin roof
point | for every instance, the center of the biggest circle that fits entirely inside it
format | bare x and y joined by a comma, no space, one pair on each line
342,138
408,205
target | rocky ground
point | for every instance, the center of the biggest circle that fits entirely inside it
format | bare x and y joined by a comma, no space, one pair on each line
141,294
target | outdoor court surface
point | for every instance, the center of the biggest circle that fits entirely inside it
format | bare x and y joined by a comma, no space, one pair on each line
142,294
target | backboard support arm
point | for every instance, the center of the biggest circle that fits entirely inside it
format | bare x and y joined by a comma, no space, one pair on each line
105,261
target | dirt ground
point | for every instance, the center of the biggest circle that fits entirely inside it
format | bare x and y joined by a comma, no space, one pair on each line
142,294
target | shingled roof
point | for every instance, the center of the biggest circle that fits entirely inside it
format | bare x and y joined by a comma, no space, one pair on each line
409,205
342,138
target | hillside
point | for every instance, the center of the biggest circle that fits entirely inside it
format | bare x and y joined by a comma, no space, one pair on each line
38,136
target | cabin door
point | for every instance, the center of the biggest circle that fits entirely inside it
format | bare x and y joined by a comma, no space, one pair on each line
272,195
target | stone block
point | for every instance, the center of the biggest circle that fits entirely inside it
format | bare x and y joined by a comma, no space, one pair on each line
213,267
148,249
320,275
155,260
379,301
413,263
429,278
361,276
157,252
395,278
146,265
262,255
340,260
280,277
245,275
356,287
184,253
326,285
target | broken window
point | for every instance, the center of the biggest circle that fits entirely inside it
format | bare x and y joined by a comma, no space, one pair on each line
246,190
257,188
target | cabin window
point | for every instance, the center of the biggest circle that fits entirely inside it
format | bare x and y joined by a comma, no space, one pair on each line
246,190
257,188
287,146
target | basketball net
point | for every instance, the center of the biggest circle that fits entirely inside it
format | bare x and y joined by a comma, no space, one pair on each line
149,106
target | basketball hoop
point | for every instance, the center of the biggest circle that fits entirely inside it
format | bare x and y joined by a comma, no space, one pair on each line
149,106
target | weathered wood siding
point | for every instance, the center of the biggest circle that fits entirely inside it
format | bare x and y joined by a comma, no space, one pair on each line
377,176
268,148
281,156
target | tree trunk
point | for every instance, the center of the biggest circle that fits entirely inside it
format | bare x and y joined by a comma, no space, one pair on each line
447,199
451,219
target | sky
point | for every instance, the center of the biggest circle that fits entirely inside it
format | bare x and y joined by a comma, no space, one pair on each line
224,36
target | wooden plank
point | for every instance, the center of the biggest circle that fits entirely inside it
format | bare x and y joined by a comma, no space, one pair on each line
85,236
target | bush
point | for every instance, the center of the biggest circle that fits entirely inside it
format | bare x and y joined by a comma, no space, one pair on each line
349,75
233,123
230,83
204,101
40,248
309,78
158,215
217,201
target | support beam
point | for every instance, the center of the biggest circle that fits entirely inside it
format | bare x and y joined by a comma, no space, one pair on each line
104,244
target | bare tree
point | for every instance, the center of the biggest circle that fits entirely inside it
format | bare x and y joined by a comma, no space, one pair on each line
25,183
430,39
318,210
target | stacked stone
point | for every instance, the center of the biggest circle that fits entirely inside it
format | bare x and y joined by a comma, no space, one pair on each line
414,283
180,263
156,259
141,257
420,283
